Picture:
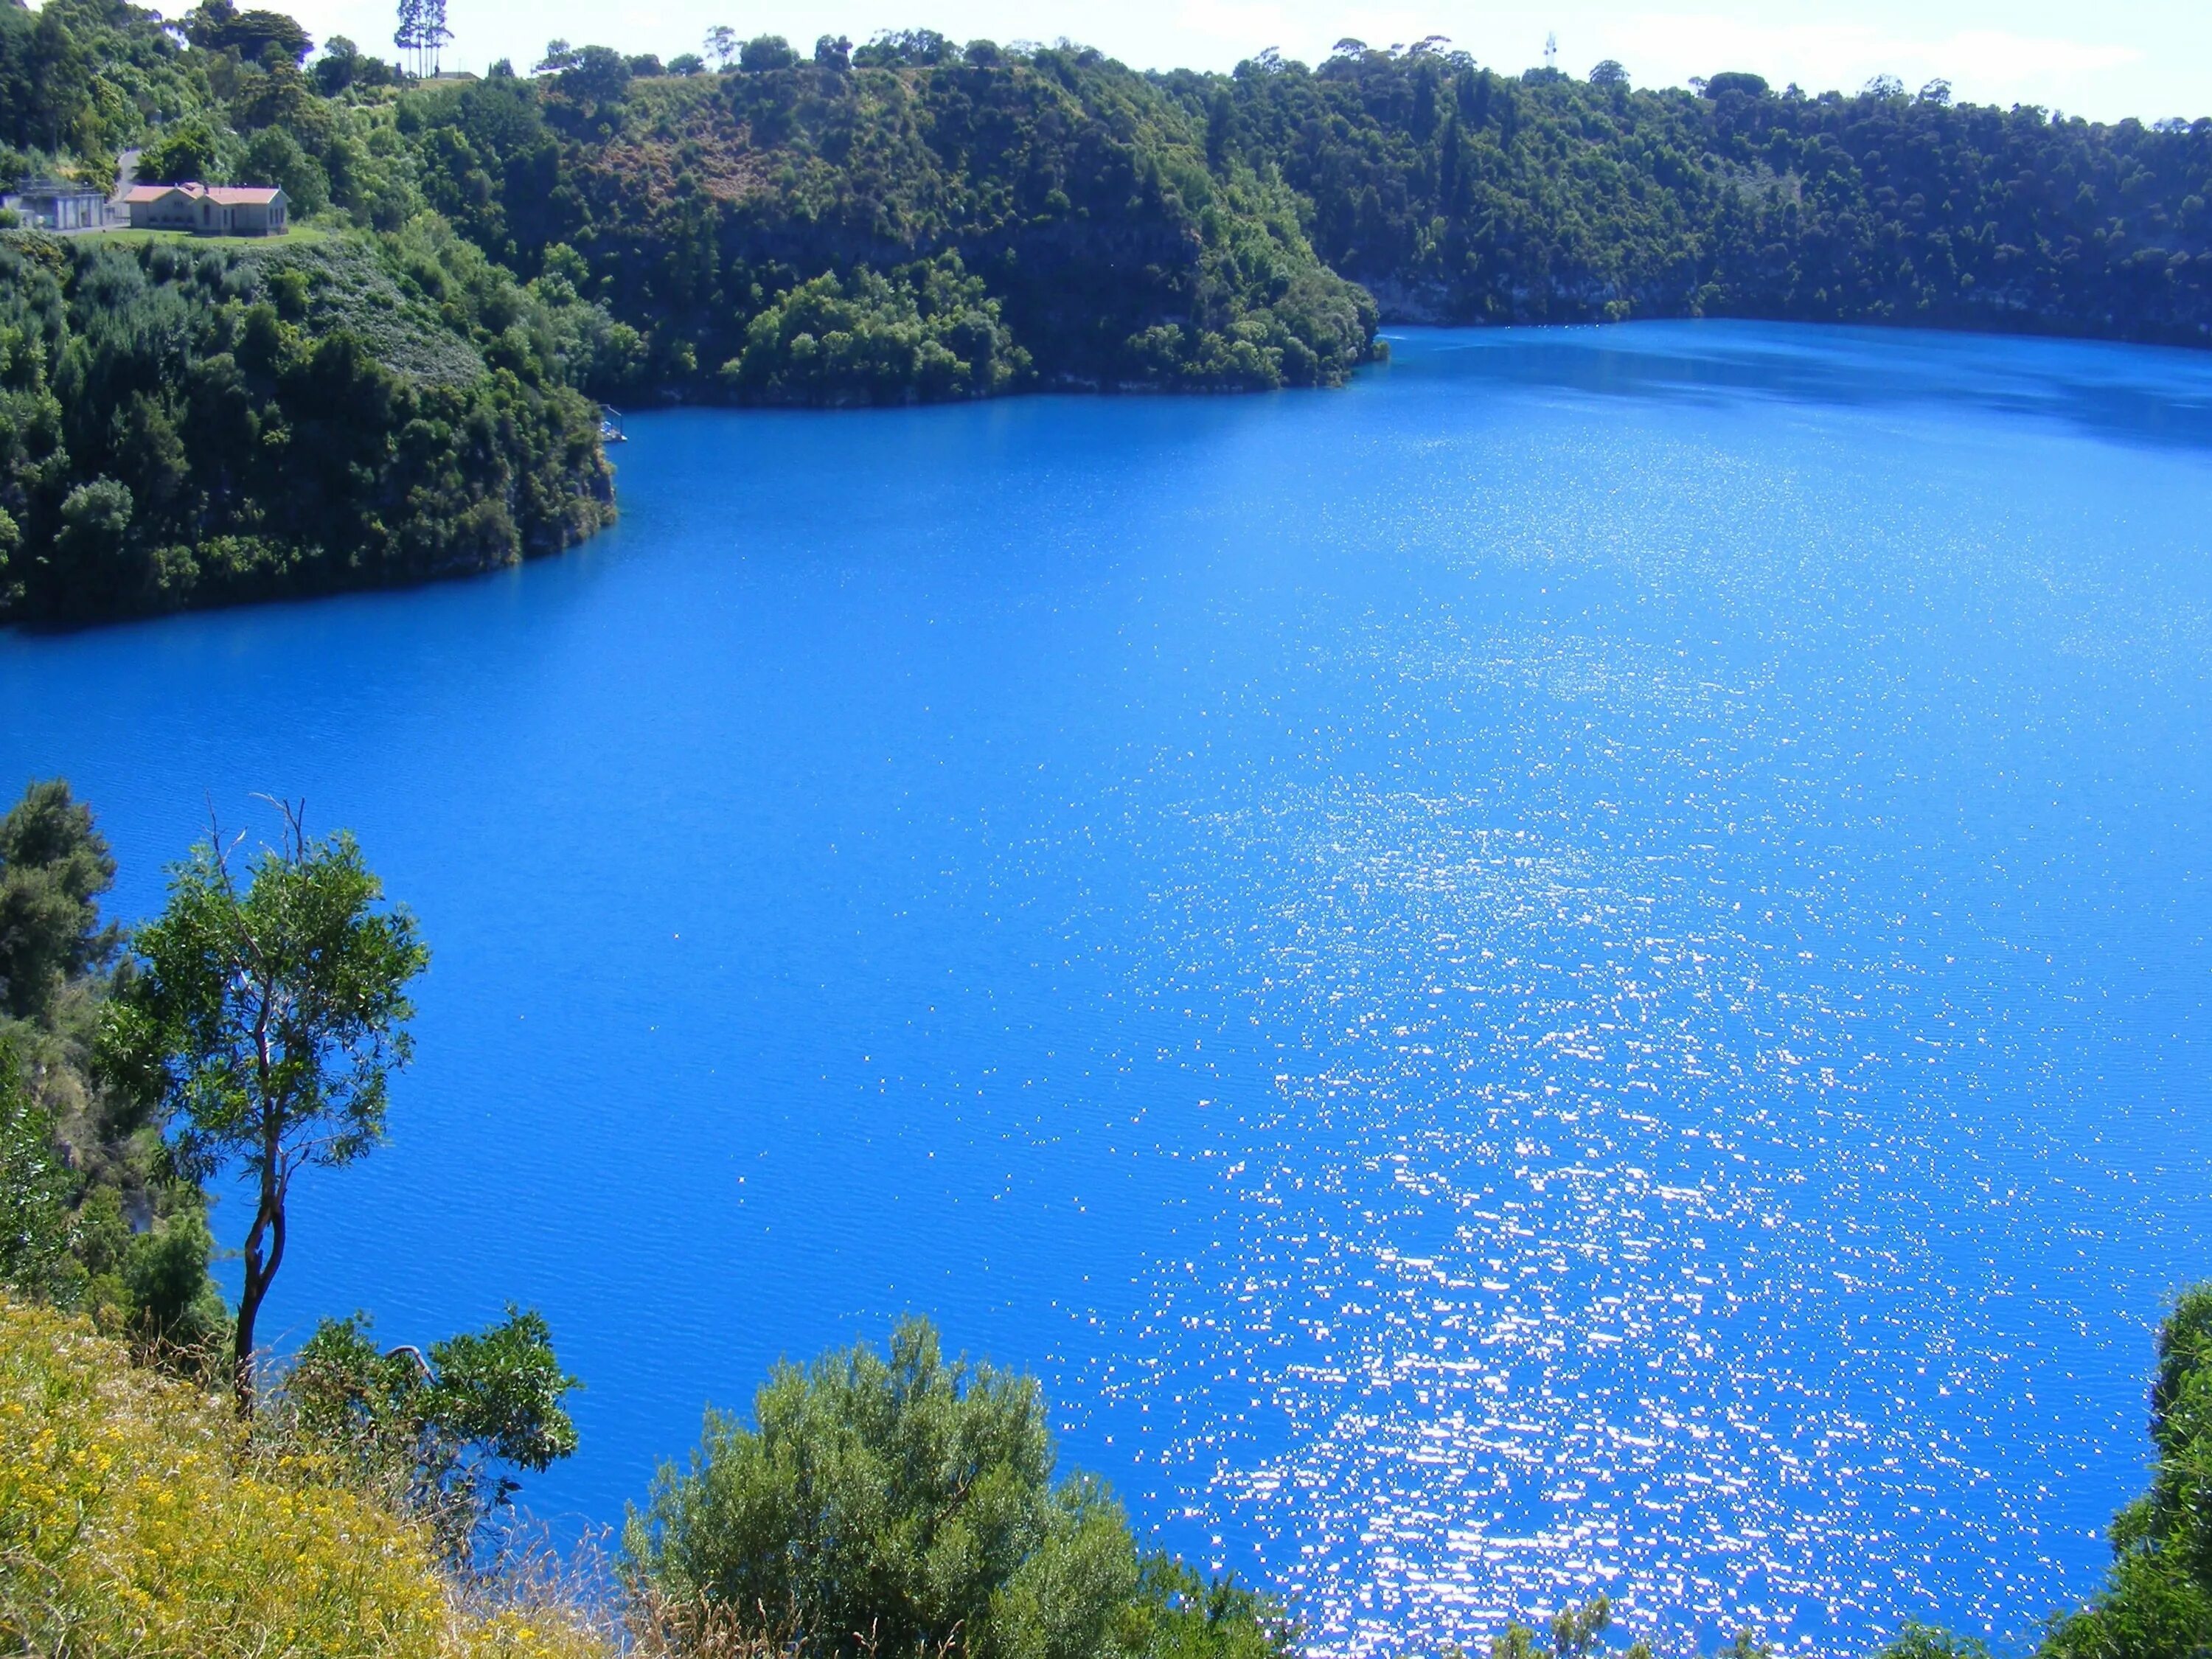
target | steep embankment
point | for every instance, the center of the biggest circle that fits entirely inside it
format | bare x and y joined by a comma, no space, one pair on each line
1460,195
1048,219
184,425
1145,229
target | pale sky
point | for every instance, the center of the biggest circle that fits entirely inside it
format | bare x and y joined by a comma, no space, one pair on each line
2145,57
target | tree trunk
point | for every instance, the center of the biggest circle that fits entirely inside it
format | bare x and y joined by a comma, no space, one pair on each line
260,1268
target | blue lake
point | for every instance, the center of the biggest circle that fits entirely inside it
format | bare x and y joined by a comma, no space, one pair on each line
1585,963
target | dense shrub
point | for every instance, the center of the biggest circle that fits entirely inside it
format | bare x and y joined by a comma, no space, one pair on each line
925,333
900,1503
1080,195
1459,194
2157,1601
75,1155
181,425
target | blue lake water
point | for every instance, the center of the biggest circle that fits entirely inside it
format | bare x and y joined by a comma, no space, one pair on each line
1585,963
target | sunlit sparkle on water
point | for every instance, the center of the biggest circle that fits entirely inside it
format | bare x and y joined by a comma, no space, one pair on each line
1582,966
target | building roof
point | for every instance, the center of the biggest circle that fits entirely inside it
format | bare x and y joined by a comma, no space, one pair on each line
221,195
52,187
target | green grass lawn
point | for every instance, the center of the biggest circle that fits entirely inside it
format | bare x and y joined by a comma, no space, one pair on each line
134,238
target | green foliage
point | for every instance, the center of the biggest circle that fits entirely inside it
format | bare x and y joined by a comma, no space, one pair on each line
253,37
767,52
182,425
1078,193
266,1022
896,1502
184,152
1917,1641
1575,1634
344,65
1460,195
273,156
72,1154
151,1286
35,1232
54,866
1180,1613
2157,1600
86,76
927,332
429,1433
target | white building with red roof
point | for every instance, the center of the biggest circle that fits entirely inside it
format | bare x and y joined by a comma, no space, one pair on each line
209,209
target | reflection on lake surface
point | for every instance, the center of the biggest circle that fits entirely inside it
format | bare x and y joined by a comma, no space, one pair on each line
1583,964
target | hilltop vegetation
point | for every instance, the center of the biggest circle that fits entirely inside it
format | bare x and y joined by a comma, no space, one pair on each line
180,425
1460,195
1075,197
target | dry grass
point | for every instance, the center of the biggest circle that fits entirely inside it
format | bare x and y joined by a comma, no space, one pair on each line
134,1521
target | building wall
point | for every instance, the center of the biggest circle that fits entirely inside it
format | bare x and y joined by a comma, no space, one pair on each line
75,211
207,218
174,214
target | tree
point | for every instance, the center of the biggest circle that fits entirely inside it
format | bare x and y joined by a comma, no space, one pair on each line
34,1218
1751,86
598,75
722,43
1918,1641
897,1502
338,67
1575,1632
54,866
253,37
184,152
1609,74
421,32
273,156
767,52
408,37
266,1021
434,32
429,1431
2157,1599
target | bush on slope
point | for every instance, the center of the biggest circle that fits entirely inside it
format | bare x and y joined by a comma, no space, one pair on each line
1458,194
2157,1600
183,426
1078,193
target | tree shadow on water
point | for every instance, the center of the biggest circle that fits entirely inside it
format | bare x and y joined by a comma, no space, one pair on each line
2151,397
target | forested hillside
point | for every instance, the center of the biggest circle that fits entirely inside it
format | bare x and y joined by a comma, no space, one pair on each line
909,220
1045,219
1119,228
1457,194
180,425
